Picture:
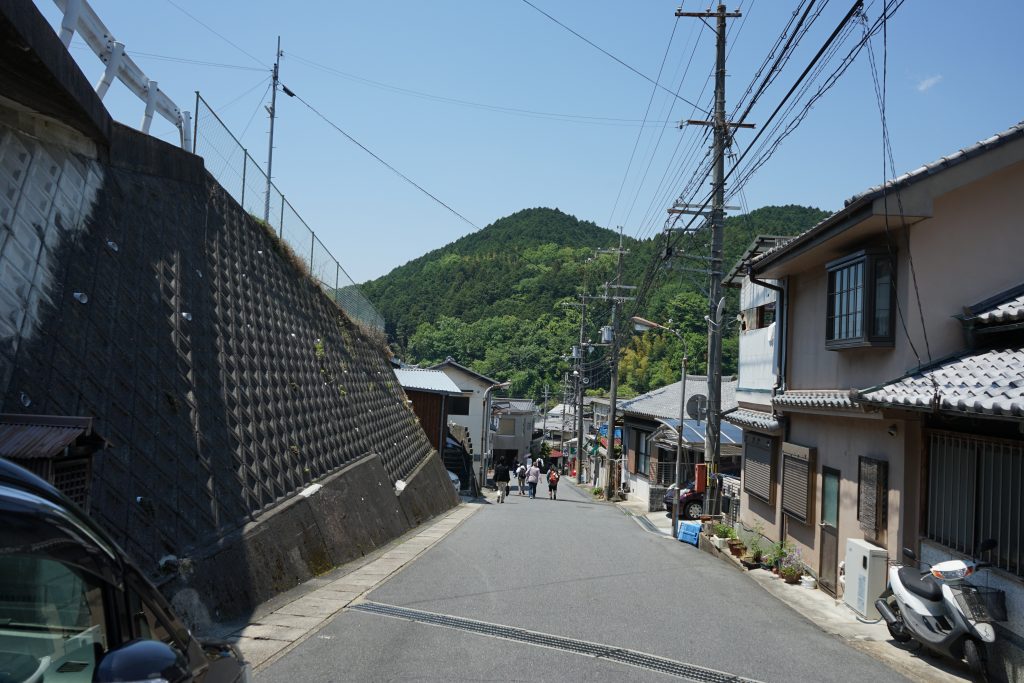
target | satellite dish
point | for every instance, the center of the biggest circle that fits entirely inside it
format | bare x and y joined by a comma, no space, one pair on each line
697,407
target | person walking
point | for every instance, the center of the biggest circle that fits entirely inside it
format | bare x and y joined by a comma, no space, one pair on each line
532,479
521,476
553,478
501,480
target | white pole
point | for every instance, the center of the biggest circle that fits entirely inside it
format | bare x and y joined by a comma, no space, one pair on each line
147,118
115,53
69,22
185,124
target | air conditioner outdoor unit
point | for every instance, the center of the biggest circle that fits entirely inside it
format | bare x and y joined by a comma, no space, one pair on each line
866,573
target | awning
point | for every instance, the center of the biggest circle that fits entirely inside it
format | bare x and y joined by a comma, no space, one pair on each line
28,437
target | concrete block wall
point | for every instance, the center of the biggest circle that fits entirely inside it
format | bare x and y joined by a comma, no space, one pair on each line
135,290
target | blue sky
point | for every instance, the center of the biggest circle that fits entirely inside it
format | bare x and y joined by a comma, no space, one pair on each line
954,77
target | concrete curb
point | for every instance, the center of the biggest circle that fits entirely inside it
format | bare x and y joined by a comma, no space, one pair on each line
277,632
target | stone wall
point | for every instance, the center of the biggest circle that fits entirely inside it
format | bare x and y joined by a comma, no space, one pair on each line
135,290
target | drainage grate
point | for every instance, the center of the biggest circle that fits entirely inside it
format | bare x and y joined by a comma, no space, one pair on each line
581,647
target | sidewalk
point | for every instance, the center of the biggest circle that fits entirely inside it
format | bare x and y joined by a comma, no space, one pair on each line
827,613
280,624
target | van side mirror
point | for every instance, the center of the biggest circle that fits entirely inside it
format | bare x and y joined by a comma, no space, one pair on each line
910,554
141,660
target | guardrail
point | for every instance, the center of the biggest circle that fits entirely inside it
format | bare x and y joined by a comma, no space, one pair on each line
79,17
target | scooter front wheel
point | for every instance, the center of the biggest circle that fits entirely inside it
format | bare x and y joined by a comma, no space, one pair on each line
974,653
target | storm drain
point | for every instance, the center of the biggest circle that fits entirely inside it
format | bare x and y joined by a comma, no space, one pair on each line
580,647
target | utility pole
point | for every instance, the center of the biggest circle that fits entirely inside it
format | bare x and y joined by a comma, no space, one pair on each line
580,385
712,441
561,427
617,299
273,114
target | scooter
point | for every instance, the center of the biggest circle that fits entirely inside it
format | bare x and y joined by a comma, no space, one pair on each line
938,609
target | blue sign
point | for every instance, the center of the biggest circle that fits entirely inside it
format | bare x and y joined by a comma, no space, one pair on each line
618,431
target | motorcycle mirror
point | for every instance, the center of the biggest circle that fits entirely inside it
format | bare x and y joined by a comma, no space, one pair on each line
909,554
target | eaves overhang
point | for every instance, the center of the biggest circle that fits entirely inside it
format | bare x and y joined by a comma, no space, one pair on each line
902,201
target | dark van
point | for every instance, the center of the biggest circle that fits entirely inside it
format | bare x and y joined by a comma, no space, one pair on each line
74,608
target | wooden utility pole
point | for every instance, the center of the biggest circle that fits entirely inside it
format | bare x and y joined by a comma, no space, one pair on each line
722,132
617,299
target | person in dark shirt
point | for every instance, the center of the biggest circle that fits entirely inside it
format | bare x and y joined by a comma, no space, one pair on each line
501,479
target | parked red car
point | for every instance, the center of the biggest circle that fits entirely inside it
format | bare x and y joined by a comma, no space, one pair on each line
691,503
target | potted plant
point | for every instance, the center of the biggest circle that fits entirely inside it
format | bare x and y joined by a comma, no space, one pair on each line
722,534
736,547
791,568
777,551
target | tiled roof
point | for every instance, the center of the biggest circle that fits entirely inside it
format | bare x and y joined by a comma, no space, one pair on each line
664,402
981,383
515,405
942,163
762,244
1011,311
426,380
1005,307
870,194
450,362
753,419
824,399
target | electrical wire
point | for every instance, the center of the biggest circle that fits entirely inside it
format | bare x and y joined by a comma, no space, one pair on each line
384,163
573,118
639,135
247,91
609,54
214,32
168,58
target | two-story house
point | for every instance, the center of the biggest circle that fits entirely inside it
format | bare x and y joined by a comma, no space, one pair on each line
514,435
898,409
650,423
473,409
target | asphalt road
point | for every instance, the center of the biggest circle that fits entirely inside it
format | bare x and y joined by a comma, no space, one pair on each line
542,580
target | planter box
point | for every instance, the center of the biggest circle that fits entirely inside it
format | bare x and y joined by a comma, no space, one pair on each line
720,543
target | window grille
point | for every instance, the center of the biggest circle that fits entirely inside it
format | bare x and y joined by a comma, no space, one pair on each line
872,494
976,492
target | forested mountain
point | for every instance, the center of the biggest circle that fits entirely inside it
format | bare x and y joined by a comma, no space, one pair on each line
497,299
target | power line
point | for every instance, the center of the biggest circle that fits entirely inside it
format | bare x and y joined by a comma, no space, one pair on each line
214,32
640,133
180,60
386,164
573,118
609,54
247,91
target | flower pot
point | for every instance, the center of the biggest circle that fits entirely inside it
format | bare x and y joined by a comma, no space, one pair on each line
790,579
808,582
737,549
720,543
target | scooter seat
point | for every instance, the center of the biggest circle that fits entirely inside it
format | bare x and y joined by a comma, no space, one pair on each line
921,585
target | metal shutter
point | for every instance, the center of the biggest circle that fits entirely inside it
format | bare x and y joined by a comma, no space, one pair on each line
872,494
759,466
797,469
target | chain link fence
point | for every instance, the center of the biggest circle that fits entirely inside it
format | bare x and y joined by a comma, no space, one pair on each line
230,163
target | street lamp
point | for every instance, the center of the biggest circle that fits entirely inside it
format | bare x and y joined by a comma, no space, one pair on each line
642,325
485,433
